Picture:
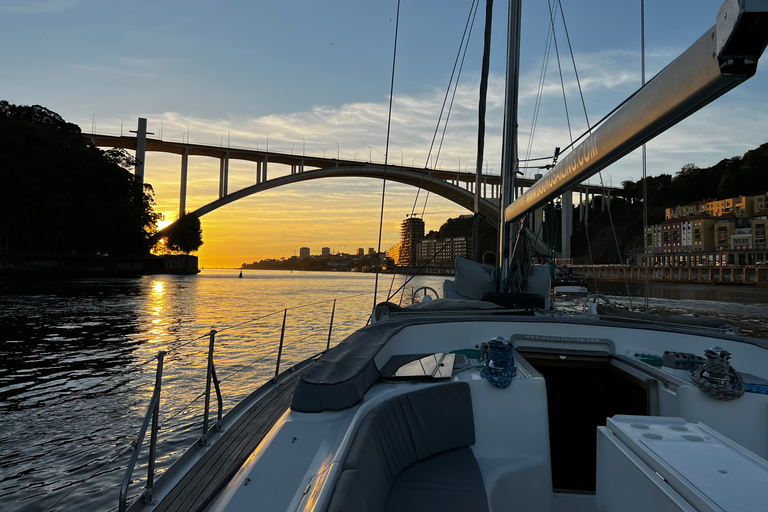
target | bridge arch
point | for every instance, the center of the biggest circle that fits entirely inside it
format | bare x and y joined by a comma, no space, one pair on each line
432,184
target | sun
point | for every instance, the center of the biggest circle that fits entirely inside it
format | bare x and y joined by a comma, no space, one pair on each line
162,224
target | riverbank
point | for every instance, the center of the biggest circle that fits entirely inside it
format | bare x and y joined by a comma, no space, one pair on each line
102,266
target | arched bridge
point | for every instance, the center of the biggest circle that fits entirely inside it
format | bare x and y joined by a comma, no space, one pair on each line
452,185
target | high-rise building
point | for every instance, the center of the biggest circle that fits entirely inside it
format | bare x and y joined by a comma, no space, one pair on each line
411,231
361,252
303,253
325,251
371,251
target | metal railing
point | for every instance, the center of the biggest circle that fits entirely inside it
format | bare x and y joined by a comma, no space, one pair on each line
153,411
211,377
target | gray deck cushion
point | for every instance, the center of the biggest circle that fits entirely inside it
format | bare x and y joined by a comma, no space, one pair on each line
399,433
340,379
447,482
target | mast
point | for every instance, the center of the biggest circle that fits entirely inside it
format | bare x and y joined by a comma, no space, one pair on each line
509,158
481,123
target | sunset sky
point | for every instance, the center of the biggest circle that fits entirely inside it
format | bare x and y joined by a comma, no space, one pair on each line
244,71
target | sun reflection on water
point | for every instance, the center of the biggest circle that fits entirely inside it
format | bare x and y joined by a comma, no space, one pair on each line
157,309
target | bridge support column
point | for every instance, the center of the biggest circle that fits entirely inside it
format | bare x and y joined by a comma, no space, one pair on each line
141,148
264,168
258,172
586,209
566,224
183,186
223,175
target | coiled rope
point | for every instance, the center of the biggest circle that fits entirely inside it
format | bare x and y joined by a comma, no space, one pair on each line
717,378
499,369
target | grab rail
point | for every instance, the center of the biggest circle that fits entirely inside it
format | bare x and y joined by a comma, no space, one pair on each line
153,411
211,375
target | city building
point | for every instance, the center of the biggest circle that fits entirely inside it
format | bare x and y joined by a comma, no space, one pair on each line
411,231
325,251
713,232
371,251
303,253
361,252
442,252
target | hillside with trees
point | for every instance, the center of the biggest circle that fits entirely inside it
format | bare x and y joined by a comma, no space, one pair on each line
59,196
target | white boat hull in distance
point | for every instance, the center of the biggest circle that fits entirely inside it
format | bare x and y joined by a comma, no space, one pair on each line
571,290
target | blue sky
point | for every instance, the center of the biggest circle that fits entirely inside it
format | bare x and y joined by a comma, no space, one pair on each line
320,70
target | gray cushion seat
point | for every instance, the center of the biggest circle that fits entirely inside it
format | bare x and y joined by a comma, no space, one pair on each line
411,453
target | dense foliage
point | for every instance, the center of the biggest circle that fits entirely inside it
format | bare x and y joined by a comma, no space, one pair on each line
59,196
186,236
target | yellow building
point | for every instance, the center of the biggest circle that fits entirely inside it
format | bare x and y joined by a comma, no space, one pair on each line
702,232
761,203
742,206
758,231
725,227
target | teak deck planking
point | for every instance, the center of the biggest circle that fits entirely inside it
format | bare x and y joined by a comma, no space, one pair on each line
214,470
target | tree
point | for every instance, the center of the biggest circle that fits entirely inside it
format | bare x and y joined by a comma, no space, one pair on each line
186,235
59,196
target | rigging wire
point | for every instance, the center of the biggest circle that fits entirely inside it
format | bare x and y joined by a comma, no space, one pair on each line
464,43
386,156
645,184
539,92
560,70
453,97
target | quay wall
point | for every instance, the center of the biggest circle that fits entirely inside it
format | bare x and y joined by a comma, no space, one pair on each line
729,274
99,266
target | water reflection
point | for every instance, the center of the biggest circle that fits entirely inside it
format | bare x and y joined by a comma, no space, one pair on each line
77,368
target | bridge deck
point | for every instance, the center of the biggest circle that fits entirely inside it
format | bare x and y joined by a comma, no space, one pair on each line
209,476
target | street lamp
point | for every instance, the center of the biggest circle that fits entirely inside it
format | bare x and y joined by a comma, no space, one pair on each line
401,157
370,154
324,152
459,163
228,137
337,151
292,148
267,142
303,147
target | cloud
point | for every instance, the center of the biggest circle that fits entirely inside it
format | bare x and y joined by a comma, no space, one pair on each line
345,211
39,6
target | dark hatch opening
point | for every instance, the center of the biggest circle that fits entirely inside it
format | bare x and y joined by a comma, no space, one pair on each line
582,391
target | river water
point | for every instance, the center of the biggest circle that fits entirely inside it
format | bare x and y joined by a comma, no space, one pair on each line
77,361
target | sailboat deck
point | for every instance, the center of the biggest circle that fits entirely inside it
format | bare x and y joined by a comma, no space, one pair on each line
216,468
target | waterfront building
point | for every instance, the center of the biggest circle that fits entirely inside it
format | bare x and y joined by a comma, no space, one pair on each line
393,253
442,252
303,253
411,231
761,203
702,228
325,251
690,210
